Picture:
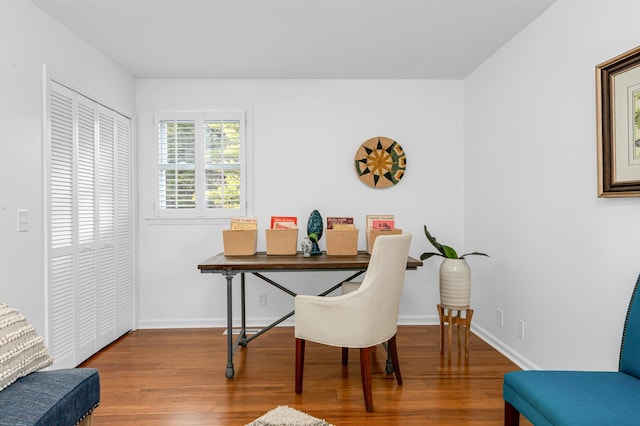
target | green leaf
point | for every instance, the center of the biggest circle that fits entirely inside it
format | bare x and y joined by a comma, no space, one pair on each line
445,251
477,253
425,256
434,242
449,252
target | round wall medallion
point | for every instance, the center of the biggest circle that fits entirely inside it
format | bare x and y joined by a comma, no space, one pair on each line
380,162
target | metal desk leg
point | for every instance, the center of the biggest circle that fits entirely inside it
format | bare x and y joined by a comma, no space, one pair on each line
242,339
230,373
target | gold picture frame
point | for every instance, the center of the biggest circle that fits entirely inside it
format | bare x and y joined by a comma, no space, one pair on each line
618,125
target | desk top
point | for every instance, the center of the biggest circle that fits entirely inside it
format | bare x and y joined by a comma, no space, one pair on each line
263,262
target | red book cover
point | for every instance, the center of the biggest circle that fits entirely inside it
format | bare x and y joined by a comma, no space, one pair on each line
383,225
284,222
378,217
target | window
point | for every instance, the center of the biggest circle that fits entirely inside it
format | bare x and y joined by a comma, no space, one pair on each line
202,164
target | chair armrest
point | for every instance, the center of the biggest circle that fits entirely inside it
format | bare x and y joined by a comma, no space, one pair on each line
343,321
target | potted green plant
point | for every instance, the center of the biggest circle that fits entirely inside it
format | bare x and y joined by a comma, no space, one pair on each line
455,274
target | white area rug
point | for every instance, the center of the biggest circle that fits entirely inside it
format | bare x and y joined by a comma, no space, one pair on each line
287,416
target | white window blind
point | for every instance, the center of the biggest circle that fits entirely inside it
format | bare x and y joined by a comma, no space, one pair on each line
202,164
177,162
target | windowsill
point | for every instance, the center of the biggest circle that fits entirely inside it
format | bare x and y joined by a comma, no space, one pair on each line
187,220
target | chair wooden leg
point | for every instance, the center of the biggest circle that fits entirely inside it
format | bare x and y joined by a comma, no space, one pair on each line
365,373
458,320
450,329
441,314
511,415
393,351
299,364
345,356
466,336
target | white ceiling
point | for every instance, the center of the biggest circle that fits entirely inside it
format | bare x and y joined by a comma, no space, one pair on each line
350,39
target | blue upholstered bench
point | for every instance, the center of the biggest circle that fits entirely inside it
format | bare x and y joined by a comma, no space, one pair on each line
31,396
581,397
51,398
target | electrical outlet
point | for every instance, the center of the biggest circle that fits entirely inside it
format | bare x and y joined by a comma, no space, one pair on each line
262,298
520,326
500,317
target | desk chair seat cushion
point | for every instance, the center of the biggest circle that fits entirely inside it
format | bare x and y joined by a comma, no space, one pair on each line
574,397
349,286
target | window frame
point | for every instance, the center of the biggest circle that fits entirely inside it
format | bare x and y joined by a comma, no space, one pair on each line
199,116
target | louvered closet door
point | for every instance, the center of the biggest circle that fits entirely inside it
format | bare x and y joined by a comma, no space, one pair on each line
61,262
106,230
124,227
90,270
86,272
115,249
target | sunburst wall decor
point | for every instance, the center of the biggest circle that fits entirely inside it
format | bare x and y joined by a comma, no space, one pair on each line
380,162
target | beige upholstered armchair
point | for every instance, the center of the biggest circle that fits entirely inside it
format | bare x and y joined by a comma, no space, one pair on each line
362,318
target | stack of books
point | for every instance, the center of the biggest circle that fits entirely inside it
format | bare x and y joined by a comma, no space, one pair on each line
242,237
342,236
379,225
244,223
282,237
284,222
340,223
383,222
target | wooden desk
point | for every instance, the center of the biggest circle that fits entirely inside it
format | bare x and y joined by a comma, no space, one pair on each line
229,266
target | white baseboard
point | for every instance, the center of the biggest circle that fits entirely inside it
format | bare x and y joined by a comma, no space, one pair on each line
207,323
257,322
419,320
181,323
490,339
513,355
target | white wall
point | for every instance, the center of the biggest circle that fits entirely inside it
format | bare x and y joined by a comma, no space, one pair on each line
29,38
563,261
305,136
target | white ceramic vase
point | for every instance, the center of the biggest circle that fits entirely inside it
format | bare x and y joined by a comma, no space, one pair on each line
455,284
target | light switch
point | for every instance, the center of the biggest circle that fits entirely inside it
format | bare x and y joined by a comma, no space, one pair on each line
23,220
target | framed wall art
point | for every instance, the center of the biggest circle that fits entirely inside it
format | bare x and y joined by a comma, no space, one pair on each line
618,121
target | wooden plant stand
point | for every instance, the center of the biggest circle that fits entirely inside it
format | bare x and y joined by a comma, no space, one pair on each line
454,317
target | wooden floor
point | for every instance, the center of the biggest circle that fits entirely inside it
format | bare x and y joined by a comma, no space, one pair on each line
177,377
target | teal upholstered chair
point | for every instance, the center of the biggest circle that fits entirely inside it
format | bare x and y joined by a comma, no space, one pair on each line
581,397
